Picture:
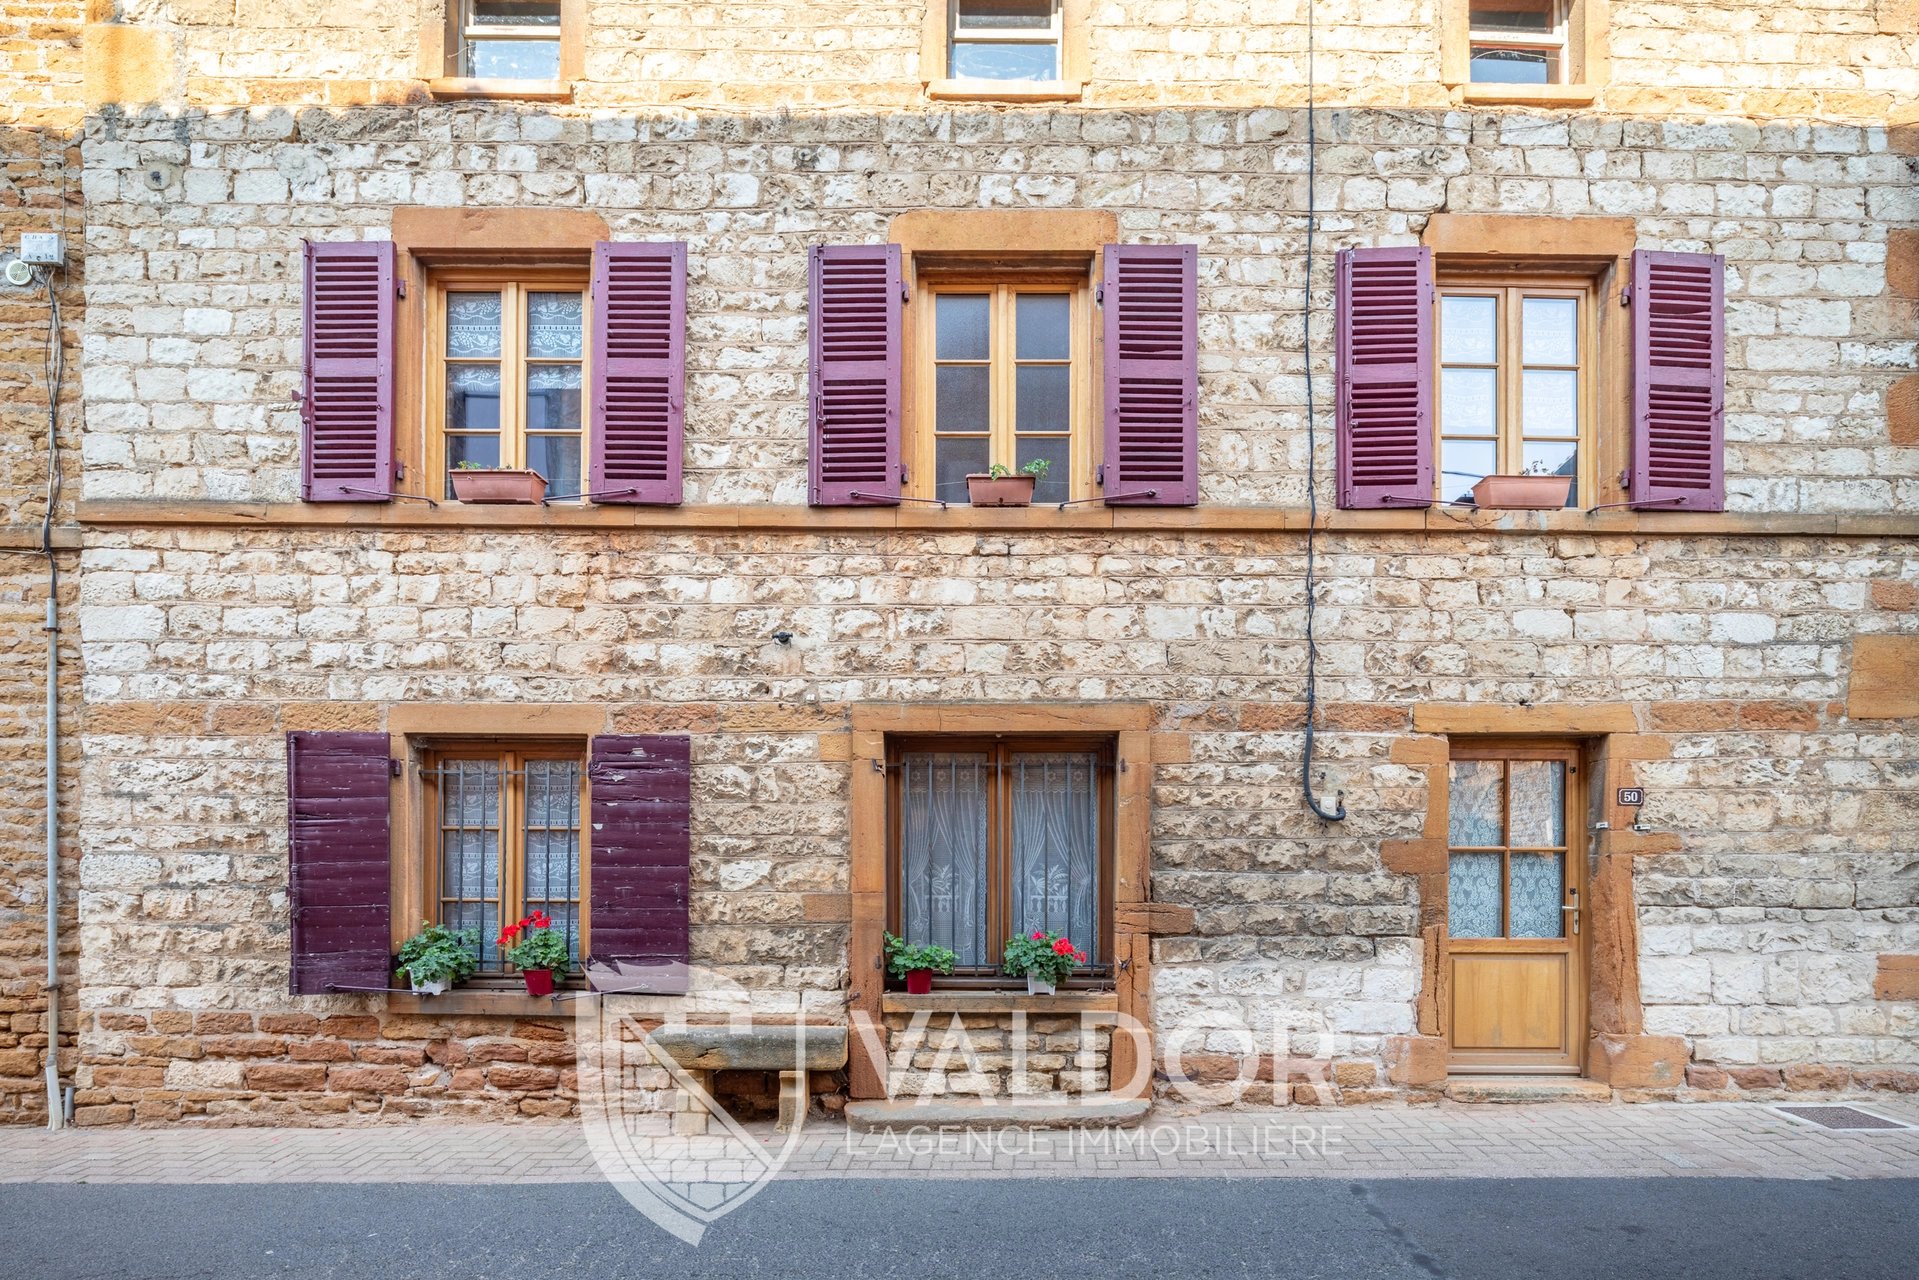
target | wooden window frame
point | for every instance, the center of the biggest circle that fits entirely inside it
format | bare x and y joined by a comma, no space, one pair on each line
1586,64
440,32
1002,286
1098,973
1510,288
936,52
513,284
1573,826
510,753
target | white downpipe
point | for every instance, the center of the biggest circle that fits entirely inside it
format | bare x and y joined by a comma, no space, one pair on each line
56,1102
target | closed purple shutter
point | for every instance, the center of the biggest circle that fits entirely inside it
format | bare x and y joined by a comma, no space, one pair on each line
338,790
639,372
347,411
1383,348
1678,458
1151,306
855,305
640,801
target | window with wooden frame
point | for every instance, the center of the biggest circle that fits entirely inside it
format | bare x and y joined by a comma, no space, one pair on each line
1519,41
1004,40
507,48
506,384
993,837
1516,381
505,836
1002,382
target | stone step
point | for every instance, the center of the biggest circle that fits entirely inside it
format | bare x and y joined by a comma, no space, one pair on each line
1527,1089
978,1113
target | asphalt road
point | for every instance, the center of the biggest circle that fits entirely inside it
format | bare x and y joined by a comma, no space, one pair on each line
1561,1229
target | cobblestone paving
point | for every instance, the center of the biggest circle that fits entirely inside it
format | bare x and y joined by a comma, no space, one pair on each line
1440,1141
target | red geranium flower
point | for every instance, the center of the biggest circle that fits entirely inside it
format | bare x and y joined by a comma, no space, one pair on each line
1039,935
1062,947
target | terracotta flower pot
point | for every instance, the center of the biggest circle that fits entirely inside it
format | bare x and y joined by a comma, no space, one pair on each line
498,487
919,982
1525,493
539,982
1000,491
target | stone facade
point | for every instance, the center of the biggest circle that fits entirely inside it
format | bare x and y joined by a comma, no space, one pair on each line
211,614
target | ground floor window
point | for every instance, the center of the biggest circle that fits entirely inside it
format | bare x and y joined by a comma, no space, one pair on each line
997,837
507,839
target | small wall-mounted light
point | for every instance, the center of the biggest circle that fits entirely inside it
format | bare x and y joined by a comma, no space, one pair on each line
783,637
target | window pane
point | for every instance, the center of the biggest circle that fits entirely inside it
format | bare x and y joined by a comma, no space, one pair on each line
552,881
1468,330
1056,846
1058,450
999,60
1043,397
1468,402
1515,15
971,15
1549,402
1463,464
469,794
963,396
1473,803
553,326
1551,458
558,459
1538,803
955,458
1042,326
961,326
1514,66
473,397
943,853
553,397
514,13
1549,331
513,59
1472,895
1538,889
473,326
481,451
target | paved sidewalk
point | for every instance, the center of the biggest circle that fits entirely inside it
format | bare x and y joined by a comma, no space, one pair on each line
1436,1141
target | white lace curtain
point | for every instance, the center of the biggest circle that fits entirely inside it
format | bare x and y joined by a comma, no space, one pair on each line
943,843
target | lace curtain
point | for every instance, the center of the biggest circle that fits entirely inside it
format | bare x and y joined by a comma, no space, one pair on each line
943,847
1056,845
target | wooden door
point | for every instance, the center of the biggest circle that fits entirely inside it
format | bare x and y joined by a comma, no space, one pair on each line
1516,989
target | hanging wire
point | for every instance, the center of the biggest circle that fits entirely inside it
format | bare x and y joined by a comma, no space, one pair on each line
1338,813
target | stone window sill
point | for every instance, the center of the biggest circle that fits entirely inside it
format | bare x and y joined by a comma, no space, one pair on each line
1000,1002
459,87
1005,90
1538,95
487,1001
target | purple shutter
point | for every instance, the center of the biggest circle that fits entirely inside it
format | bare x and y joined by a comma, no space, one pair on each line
1383,348
347,411
1678,458
1151,307
640,800
338,789
855,303
639,372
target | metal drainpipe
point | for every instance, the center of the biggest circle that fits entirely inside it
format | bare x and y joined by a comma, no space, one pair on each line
56,1103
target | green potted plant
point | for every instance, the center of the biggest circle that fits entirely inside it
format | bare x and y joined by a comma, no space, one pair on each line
437,957
917,964
541,956
1003,487
1043,959
497,485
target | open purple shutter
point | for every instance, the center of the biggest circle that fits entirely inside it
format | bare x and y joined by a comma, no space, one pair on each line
1150,300
639,372
338,792
1678,382
855,304
640,801
1383,346
347,411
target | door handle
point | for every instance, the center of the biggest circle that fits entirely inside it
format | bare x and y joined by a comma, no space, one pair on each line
1572,909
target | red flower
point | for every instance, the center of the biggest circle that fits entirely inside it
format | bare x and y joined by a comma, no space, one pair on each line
539,920
1039,935
1080,956
1062,947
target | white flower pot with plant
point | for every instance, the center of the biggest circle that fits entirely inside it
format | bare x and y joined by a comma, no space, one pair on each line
437,957
1044,959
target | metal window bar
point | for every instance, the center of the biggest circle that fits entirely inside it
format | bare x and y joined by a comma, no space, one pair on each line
566,774
464,906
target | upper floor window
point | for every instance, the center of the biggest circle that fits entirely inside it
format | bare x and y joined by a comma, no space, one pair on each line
1519,41
506,377
1002,374
509,39
1514,382
1004,40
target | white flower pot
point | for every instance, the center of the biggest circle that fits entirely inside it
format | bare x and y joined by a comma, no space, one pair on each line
434,988
1038,986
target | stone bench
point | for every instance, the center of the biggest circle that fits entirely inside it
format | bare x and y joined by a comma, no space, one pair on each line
703,1051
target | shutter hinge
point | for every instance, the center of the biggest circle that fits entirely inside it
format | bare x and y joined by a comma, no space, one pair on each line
903,294
1625,295
902,475
394,768
1099,475
1625,476
399,284
1099,296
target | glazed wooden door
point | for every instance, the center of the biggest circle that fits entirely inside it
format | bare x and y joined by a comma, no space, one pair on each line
1516,990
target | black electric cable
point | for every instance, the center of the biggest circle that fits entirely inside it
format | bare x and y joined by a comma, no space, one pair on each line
1312,463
